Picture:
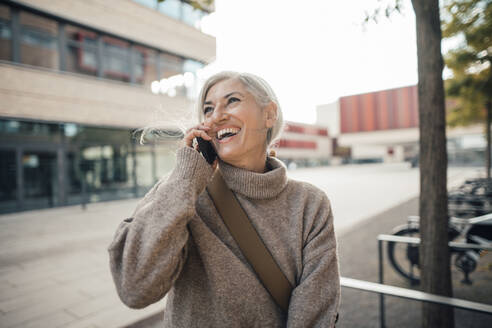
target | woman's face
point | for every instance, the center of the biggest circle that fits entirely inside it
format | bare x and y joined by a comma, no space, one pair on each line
238,124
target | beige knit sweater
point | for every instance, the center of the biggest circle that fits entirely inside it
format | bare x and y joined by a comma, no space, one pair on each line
176,244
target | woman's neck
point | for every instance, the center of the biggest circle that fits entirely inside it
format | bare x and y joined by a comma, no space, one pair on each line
257,165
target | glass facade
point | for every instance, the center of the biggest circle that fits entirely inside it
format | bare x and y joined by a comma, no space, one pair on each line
177,9
38,39
116,59
5,33
55,44
145,63
47,165
8,180
81,56
55,164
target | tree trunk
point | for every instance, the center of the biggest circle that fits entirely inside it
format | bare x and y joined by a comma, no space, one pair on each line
434,251
487,152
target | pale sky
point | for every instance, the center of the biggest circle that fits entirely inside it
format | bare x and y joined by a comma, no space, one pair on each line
314,51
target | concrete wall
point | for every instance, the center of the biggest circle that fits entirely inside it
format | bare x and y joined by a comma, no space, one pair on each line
38,94
329,115
133,21
386,137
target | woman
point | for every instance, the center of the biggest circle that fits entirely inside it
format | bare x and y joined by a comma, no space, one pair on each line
176,244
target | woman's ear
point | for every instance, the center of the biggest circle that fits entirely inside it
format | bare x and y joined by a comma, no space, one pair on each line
270,114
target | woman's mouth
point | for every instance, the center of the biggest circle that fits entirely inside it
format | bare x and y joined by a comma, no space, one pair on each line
227,134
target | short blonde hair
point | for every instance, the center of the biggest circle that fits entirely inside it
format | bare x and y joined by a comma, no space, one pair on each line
258,87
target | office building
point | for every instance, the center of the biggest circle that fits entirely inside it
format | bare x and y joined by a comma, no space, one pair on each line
77,78
383,126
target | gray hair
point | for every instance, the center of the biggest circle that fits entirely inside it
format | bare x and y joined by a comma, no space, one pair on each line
258,87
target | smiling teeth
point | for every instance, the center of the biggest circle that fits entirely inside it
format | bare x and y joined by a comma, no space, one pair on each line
228,130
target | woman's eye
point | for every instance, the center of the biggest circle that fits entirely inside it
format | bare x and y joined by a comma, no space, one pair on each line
232,99
207,110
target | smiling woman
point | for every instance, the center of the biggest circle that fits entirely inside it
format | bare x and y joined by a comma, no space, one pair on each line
243,117
178,243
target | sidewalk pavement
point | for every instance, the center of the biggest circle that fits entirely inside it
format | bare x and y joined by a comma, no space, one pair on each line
54,269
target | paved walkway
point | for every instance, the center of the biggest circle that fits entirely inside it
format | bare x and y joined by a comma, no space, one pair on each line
55,272
54,269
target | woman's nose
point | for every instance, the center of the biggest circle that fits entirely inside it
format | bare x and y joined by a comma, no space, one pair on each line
219,114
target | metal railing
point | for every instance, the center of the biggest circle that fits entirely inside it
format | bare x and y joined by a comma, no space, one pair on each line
382,289
415,295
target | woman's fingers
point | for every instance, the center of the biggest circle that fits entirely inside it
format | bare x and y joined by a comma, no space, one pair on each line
196,132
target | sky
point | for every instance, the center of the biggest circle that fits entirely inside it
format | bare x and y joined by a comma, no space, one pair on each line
314,51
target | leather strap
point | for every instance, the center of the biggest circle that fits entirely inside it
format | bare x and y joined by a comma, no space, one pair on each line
250,243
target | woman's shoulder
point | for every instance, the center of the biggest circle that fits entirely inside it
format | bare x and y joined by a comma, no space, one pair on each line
307,189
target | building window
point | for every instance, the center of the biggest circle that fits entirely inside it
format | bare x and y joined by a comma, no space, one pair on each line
177,9
5,33
8,183
116,60
12,129
82,51
41,42
192,16
148,3
38,41
171,8
170,65
145,65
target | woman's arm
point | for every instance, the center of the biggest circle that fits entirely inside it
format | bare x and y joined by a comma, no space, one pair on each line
150,248
315,300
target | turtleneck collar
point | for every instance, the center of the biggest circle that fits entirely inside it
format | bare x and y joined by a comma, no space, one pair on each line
255,185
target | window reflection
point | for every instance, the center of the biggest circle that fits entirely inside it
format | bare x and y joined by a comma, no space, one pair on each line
5,33
116,61
145,63
40,187
192,16
145,177
93,53
38,41
170,65
171,8
148,3
8,183
82,50
177,9
35,131
98,164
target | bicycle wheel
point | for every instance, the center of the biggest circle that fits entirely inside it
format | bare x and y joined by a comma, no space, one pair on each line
405,257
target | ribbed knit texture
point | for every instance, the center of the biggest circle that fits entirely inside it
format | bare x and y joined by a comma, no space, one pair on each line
255,185
175,244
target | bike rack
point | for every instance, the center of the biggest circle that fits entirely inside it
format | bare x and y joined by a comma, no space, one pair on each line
383,289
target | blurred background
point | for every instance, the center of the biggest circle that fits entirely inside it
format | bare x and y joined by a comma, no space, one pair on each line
79,78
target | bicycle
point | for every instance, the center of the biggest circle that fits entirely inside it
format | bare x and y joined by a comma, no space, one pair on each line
469,222
405,257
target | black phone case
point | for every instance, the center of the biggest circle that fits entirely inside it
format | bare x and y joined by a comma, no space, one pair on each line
206,148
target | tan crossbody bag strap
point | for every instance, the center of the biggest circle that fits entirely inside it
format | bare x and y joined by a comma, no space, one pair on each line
250,243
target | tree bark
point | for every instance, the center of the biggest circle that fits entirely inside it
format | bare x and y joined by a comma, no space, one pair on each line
434,251
487,128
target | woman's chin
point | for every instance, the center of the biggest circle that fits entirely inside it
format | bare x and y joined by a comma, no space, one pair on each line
228,157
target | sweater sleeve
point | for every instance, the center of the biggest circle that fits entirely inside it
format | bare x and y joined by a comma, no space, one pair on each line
149,249
315,300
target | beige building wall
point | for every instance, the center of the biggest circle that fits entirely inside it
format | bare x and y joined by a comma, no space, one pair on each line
133,21
329,115
322,151
38,94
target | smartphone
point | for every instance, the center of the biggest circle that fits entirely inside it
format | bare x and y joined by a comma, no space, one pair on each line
208,151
